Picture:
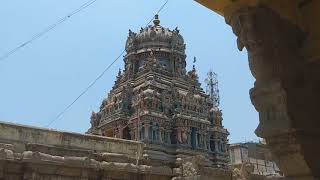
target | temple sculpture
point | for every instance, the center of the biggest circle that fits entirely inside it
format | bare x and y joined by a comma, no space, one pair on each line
155,100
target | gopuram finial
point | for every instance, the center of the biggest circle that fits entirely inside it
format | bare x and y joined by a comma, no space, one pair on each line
156,20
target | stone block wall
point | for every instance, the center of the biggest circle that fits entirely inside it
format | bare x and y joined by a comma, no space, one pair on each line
20,136
30,153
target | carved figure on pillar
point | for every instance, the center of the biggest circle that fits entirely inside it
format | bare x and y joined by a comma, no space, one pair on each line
184,136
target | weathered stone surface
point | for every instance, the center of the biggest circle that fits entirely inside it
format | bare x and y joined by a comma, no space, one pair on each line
284,93
55,160
93,156
21,137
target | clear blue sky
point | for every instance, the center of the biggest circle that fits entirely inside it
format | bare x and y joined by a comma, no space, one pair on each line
41,79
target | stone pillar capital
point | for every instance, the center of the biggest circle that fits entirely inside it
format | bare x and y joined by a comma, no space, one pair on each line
268,38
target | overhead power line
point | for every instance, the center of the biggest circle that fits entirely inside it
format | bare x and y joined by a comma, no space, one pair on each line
46,30
85,90
160,9
96,79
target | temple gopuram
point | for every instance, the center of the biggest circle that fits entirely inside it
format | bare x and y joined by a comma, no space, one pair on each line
155,100
157,123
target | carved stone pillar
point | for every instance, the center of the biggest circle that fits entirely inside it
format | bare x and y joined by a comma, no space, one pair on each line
133,133
207,142
216,145
179,138
201,140
286,88
146,131
121,132
168,136
197,140
189,137
161,135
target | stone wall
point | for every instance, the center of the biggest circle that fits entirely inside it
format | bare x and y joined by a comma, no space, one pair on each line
23,137
30,153
36,154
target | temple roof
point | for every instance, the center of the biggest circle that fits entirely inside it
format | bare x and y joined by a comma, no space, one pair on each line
155,36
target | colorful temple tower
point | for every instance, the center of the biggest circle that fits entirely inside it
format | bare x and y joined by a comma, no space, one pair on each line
155,100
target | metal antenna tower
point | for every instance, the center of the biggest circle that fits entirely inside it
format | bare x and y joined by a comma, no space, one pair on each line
212,88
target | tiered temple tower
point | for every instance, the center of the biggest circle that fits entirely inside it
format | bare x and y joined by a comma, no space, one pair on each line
155,100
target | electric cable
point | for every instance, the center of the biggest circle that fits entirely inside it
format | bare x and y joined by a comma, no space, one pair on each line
96,79
47,29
